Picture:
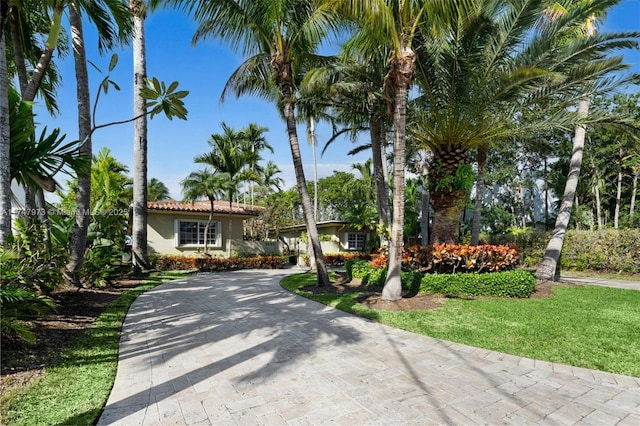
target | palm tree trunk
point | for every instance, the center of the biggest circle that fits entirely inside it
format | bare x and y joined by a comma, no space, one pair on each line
382,189
207,227
230,225
5,140
477,210
448,203
284,74
312,140
312,230
616,214
596,193
30,91
401,74
18,51
424,219
83,197
634,191
140,256
547,268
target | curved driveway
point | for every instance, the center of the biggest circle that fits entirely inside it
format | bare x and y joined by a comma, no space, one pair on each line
235,348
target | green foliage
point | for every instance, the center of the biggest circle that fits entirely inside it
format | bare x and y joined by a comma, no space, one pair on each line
375,277
79,384
185,263
607,250
27,272
517,283
164,99
463,179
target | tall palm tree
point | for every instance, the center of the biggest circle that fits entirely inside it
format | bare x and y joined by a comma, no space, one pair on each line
280,37
270,179
256,140
111,32
204,183
586,35
395,24
232,157
139,248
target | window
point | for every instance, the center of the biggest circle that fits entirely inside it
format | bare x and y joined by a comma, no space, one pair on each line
355,241
191,233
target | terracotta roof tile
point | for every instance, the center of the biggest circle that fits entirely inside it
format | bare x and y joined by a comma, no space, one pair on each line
203,207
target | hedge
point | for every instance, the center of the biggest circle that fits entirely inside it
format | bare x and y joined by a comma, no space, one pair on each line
516,283
184,263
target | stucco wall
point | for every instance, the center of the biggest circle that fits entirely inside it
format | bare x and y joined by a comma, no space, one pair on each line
161,232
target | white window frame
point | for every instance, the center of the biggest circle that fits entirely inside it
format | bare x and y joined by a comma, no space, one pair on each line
213,244
360,237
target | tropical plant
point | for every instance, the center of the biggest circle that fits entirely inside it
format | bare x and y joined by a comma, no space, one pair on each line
139,248
280,39
586,46
205,183
236,161
396,25
157,190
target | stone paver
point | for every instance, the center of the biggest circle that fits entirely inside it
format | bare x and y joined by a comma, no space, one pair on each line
235,348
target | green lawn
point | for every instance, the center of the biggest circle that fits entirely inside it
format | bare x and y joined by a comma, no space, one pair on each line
74,391
589,326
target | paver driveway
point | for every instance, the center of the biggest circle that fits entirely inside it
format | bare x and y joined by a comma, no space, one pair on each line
236,348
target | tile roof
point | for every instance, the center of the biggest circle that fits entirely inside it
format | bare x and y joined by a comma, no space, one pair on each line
204,206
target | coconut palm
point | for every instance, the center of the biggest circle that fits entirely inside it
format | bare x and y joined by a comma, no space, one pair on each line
279,38
157,190
395,24
113,22
139,247
205,183
587,35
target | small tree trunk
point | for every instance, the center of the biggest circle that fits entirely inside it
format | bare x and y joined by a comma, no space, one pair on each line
616,214
477,210
596,193
546,195
634,191
424,219
547,268
83,197
382,188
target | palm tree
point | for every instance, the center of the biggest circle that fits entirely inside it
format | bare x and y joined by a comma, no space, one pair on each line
256,141
495,76
139,248
157,190
99,12
5,155
269,179
280,39
586,35
232,157
395,24
204,183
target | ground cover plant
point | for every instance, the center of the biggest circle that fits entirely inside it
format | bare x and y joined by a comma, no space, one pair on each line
73,364
585,326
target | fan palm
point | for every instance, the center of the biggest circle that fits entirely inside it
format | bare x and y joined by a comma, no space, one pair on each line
204,183
280,38
483,80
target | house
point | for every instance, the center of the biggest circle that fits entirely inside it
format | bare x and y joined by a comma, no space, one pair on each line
335,236
175,227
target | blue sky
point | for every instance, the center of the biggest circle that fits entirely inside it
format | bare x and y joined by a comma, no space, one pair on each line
203,71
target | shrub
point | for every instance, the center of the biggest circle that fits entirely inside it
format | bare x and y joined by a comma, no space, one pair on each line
375,277
339,259
606,250
516,283
184,263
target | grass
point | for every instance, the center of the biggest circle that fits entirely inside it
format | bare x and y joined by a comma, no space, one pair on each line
588,326
75,390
